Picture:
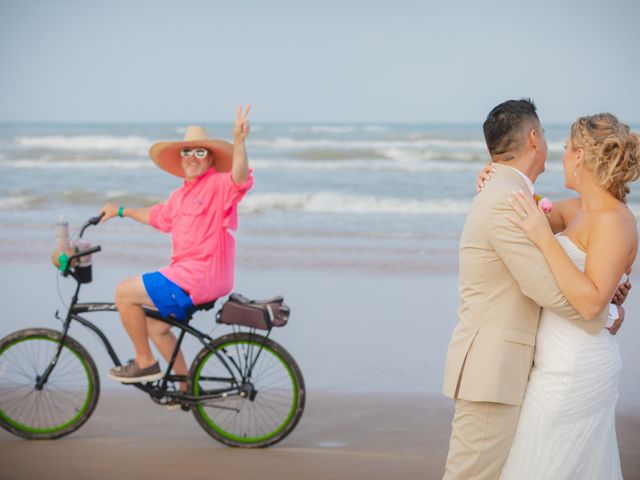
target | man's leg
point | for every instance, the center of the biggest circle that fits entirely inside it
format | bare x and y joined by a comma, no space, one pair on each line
481,437
130,296
165,342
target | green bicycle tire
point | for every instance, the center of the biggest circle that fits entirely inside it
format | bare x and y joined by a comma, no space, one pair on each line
68,398
271,415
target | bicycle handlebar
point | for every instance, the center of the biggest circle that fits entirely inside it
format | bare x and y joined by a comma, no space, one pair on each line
91,221
88,251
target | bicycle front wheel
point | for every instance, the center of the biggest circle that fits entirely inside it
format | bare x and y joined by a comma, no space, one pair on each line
253,390
64,402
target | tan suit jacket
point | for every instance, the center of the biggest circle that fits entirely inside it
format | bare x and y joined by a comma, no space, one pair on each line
503,281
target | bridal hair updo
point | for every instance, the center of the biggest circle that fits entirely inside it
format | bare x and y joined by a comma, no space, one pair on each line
611,151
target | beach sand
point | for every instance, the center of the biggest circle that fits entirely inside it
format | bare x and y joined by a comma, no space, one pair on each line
371,346
341,436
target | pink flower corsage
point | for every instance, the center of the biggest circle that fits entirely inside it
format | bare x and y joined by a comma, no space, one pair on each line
544,202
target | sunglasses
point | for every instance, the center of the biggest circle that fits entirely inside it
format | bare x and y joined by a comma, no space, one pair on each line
200,153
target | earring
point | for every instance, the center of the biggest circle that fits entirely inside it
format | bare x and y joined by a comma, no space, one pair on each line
575,174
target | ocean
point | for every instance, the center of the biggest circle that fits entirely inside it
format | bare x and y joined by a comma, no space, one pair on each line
380,197
356,225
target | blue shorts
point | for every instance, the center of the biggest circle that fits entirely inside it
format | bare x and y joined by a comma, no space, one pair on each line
168,297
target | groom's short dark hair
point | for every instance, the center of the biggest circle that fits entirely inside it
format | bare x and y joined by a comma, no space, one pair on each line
506,123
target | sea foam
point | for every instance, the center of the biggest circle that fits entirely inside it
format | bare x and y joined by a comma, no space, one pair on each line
302,143
20,202
129,144
78,164
331,202
364,165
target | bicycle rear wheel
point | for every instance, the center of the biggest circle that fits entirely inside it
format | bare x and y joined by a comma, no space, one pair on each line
66,400
259,388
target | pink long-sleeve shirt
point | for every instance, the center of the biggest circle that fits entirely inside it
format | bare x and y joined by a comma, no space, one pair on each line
200,215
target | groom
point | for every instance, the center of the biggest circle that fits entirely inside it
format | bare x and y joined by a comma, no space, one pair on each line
504,280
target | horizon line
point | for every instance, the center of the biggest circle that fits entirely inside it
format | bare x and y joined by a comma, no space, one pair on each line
275,122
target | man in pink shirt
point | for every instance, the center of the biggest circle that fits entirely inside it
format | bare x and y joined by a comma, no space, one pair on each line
199,216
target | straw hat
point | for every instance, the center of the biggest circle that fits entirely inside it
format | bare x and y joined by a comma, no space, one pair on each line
166,155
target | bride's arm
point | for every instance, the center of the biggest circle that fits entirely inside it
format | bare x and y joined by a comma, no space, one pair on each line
559,217
607,255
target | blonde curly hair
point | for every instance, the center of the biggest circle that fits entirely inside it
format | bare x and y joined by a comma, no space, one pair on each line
611,151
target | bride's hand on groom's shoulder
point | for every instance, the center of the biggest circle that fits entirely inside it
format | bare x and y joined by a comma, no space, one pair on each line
484,176
530,218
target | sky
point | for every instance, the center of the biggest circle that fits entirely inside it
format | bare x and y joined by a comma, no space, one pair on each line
323,61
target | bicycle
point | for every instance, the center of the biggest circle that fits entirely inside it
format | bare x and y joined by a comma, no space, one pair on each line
244,389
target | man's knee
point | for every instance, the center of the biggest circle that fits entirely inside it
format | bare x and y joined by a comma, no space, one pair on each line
127,291
156,328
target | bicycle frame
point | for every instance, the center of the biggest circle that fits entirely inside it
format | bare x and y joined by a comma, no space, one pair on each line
243,388
159,389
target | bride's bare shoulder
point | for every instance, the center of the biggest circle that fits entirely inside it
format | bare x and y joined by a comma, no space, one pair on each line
619,219
613,235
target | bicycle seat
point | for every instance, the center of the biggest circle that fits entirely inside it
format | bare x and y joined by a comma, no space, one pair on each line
204,306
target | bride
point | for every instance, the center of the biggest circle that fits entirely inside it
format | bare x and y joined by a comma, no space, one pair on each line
566,428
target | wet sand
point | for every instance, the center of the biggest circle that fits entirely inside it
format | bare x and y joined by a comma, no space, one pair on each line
340,436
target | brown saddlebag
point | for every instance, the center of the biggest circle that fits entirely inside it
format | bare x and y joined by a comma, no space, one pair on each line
262,314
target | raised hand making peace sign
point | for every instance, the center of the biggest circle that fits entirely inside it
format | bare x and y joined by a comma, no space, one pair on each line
241,127
240,166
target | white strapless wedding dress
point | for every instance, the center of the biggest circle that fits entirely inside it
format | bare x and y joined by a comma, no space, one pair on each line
566,428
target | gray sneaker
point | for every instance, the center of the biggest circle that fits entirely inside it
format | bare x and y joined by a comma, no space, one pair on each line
132,373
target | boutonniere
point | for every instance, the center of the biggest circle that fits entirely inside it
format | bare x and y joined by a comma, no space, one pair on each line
544,202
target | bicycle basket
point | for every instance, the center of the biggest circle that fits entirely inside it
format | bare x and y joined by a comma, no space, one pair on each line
261,314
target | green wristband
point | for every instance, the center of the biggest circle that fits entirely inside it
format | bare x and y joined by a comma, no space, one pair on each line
121,211
63,261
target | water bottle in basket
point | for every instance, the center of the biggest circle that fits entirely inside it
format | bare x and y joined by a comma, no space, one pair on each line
62,234
83,267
